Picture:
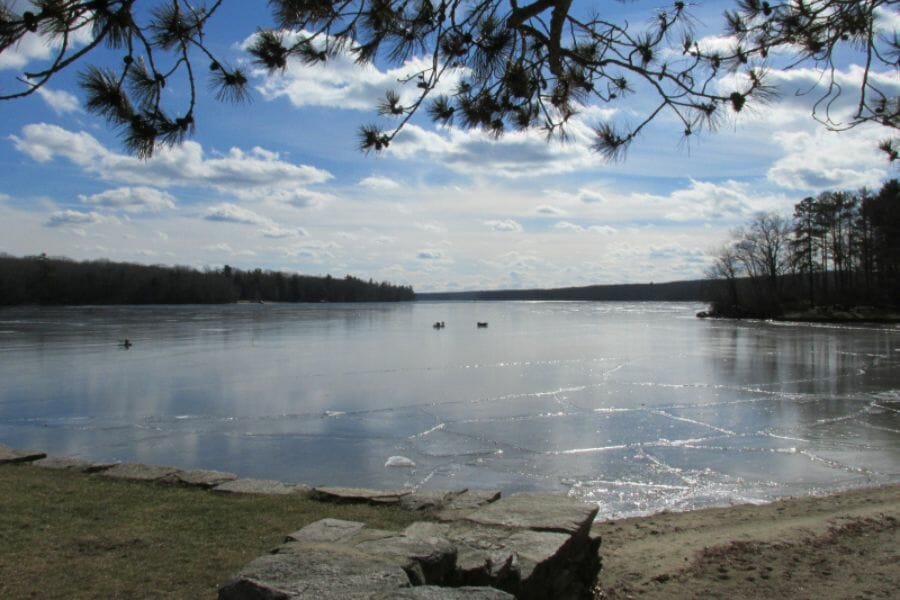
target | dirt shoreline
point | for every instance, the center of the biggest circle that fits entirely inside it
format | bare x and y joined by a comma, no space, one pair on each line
845,545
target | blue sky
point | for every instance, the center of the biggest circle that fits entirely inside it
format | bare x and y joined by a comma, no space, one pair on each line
278,183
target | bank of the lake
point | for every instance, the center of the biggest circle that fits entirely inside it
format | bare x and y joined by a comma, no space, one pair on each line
843,545
65,534
814,314
70,535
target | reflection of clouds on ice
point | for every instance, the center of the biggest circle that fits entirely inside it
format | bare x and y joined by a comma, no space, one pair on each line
630,406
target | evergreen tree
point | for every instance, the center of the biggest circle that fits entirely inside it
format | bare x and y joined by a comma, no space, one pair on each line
527,65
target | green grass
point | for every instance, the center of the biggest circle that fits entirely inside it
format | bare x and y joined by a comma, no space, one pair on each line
69,535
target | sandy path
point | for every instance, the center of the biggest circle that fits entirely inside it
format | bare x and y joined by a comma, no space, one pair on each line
841,546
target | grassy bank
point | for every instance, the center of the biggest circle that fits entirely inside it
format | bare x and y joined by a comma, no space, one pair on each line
69,535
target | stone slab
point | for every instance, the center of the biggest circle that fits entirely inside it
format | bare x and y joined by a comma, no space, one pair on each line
333,558
199,478
433,592
451,503
460,504
331,531
425,500
426,560
538,512
12,455
71,463
357,495
255,486
138,472
506,558
320,571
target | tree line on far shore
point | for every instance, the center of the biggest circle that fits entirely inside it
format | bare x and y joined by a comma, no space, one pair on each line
45,280
838,248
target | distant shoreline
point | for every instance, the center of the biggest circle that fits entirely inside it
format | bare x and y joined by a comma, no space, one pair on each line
822,314
697,290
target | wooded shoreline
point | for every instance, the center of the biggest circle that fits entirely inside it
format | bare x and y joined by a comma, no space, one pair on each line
43,280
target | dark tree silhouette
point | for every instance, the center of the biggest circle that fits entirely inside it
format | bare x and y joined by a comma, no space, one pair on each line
842,248
527,65
43,280
806,233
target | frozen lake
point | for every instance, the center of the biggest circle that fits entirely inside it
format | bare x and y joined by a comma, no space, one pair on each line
639,407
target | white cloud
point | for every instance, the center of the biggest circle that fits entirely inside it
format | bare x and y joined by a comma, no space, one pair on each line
43,142
74,217
31,47
132,199
232,213
603,229
821,160
296,198
722,44
60,101
590,196
430,254
227,249
704,201
474,152
678,252
37,46
546,209
376,182
431,227
343,83
279,232
887,20
515,261
568,226
506,225
805,92
258,172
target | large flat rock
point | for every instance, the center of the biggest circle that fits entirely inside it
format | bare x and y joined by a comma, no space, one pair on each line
449,503
199,478
71,463
531,547
331,531
425,500
13,455
357,495
332,558
138,472
424,559
526,563
433,592
255,486
316,571
538,512
508,559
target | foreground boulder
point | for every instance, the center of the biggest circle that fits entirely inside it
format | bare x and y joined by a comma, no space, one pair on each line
525,546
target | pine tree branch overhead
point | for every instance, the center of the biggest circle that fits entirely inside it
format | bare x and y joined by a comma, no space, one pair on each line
521,65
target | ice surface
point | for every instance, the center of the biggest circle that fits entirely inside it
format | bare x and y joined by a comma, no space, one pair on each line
637,407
